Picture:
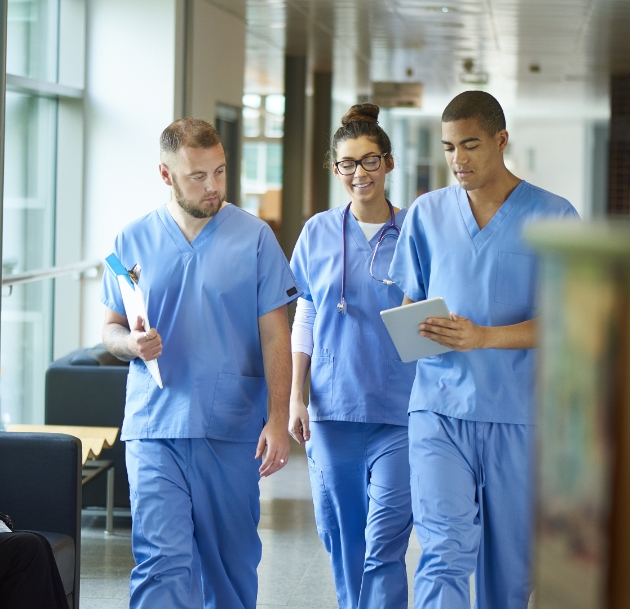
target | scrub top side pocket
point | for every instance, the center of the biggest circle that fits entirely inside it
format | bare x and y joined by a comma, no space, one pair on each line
516,280
238,408
322,373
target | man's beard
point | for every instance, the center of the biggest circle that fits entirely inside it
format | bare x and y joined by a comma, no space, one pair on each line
193,209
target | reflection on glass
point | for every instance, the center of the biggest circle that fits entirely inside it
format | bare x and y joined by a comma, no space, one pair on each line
250,162
27,244
251,122
32,27
274,165
275,104
274,125
251,100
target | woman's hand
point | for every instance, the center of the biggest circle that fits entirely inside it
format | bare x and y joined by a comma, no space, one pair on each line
298,420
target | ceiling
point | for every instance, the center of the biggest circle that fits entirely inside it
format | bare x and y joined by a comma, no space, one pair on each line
540,56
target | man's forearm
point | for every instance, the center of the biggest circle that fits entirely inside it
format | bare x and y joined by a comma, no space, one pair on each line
275,341
115,338
517,336
277,361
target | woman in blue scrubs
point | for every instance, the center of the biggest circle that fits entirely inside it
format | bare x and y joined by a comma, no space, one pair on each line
355,427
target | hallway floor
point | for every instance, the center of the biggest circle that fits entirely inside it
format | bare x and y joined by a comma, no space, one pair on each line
294,571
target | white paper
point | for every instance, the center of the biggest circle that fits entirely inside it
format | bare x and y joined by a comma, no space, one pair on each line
135,307
4,528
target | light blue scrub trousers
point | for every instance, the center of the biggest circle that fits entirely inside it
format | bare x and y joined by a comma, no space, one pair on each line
360,481
195,508
472,504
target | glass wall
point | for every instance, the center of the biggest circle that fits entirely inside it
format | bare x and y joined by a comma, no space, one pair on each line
29,207
32,39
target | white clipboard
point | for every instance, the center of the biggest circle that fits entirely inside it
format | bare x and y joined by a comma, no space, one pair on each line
402,324
135,307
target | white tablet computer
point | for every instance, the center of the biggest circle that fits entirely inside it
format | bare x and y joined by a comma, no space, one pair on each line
402,324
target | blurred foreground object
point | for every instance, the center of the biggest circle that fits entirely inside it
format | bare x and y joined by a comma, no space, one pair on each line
582,557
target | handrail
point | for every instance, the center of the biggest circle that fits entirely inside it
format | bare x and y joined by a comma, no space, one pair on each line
55,271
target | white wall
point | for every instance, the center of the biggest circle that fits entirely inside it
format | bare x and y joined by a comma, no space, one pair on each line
554,155
216,56
130,99
146,62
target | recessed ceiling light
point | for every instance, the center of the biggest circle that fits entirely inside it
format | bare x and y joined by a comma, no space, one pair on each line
474,78
441,9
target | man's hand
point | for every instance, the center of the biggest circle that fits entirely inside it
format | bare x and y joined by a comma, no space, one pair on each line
457,333
276,348
274,436
145,345
298,420
461,334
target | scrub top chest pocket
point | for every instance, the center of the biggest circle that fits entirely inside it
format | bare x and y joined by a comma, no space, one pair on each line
516,280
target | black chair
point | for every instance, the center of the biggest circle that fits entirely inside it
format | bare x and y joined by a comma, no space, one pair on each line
40,488
88,387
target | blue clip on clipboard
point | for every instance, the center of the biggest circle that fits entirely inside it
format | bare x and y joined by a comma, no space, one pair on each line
116,267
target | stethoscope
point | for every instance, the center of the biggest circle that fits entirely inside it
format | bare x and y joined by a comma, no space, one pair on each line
342,307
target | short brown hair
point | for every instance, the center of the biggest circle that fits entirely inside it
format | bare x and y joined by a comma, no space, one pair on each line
478,105
191,132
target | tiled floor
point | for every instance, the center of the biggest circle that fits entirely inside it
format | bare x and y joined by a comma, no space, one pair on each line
294,571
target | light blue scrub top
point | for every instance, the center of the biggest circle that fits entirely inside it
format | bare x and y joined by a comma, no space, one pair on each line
488,276
356,374
205,299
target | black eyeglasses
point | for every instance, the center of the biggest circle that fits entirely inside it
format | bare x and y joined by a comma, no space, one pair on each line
347,167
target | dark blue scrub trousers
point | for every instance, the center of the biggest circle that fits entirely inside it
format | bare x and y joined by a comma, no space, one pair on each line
195,505
360,482
472,505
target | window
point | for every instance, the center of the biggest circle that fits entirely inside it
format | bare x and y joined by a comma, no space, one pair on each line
261,178
41,117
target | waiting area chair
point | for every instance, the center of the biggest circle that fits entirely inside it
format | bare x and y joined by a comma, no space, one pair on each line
40,488
87,387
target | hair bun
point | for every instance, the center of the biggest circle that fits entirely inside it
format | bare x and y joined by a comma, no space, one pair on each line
361,113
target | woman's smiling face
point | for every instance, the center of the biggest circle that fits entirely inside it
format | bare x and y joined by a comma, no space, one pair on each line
363,186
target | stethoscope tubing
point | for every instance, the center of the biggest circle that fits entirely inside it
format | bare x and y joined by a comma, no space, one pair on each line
342,307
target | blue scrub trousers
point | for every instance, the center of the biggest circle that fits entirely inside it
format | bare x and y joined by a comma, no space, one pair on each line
472,504
360,481
195,505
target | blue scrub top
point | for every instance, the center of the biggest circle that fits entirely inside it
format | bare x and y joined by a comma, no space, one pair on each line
488,276
205,299
356,374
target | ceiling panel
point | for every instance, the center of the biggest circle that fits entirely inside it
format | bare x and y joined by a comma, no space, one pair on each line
575,44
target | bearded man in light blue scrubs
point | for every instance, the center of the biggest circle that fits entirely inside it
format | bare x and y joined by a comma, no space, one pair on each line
472,409
217,285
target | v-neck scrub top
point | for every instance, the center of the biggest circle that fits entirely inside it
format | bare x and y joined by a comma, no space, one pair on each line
205,299
356,373
488,276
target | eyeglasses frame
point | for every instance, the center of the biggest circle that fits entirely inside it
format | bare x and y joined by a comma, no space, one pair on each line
360,162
